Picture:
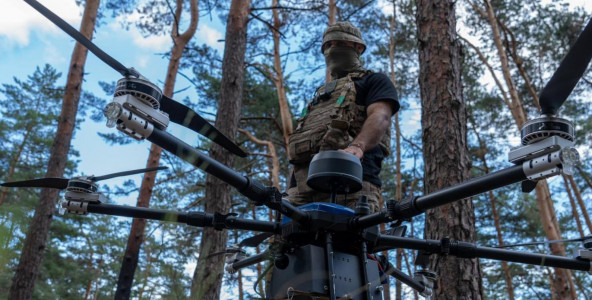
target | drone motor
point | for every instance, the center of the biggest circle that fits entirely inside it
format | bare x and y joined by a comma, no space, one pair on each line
141,89
544,127
135,110
81,185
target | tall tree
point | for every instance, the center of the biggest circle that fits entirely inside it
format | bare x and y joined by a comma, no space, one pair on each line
207,277
444,144
563,285
136,237
27,271
278,80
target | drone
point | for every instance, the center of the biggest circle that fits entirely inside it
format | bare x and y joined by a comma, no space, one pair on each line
326,250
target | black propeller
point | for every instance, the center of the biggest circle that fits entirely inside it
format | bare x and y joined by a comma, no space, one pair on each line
255,240
178,113
62,183
571,69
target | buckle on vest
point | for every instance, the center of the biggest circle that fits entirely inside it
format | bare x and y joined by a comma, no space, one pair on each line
326,95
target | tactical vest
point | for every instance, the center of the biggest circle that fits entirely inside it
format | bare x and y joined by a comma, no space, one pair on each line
331,120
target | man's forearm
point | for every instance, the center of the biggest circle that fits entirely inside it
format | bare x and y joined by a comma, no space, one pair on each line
373,130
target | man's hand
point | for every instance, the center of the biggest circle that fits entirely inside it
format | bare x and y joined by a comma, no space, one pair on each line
355,150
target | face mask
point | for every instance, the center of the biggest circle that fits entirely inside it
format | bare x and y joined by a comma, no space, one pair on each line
342,60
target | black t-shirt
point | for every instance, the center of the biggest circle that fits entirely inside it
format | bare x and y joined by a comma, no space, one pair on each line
372,88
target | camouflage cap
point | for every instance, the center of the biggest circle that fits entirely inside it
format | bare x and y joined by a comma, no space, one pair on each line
343,31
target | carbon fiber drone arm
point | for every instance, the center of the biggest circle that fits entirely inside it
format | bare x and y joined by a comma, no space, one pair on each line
198,219
469,250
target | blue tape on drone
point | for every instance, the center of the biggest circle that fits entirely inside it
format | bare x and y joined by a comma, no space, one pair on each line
332,208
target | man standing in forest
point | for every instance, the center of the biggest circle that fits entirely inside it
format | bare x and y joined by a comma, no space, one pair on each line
351,113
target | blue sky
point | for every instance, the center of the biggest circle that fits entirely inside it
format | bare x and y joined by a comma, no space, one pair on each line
28,40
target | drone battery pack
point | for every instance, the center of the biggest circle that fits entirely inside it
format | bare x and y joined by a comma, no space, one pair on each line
305,277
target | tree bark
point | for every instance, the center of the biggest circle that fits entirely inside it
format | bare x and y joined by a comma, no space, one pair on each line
275,164
578,195
332,17
31,258
585,176
574,208
445,149
285,113
136,237
398,187
207,277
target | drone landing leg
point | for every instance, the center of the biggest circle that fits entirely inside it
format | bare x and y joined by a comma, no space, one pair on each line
330,267
363,265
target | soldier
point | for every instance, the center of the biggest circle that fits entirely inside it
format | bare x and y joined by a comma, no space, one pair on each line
352,113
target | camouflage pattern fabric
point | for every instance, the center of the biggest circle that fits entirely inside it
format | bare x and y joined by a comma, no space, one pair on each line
329,122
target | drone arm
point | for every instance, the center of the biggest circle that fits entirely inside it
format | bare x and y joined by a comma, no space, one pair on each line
406,279
251,260
469,250
198,219
250,188
463,190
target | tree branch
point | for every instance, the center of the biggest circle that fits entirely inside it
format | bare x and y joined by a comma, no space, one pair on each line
268,25
490,68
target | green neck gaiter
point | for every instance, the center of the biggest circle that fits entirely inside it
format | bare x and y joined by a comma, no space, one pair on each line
341,61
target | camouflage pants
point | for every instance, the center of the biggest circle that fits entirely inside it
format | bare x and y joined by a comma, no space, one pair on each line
302,194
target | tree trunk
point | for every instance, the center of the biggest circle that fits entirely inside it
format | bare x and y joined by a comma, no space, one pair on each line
27,270
574,208
332,15
562,279
576,191
285,113
275,164
136,237
445,146
207,278
585,176
496,219
398,191
14,162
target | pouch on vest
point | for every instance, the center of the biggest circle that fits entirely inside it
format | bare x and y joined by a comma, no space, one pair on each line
337,136
304,145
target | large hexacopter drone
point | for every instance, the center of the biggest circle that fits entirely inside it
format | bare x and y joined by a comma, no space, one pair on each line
324,249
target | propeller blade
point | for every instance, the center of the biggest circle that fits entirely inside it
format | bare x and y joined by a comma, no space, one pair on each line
51,182
185,116
255,240
71,31
126,173
571,69
542,243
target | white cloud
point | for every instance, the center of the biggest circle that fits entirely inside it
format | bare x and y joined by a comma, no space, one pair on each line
153,42
18,19
210,37
143,61
51,54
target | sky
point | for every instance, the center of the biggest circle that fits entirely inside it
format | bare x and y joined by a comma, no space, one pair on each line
28,40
